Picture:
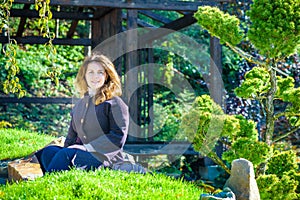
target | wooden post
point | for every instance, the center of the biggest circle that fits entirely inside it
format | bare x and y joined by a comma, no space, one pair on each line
150,94
107,25
215,78
216,83
132,76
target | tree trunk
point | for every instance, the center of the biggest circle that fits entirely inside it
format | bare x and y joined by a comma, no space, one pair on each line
269,107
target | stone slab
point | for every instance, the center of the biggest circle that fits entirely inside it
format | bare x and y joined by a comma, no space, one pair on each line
23,170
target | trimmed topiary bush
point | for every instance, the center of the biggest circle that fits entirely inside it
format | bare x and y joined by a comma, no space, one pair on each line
273,188
282,162
253,150
206,124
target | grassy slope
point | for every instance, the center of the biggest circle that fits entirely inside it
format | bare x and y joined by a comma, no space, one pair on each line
78,184
19,143
101,184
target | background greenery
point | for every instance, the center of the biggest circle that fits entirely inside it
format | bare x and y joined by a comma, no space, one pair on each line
35,62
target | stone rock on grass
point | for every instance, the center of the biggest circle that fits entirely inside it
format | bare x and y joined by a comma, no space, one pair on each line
226,194
242,180
23,170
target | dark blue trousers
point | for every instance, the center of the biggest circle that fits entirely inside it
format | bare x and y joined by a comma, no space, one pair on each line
56,158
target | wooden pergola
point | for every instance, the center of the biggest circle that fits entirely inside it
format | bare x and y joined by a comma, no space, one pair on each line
106,19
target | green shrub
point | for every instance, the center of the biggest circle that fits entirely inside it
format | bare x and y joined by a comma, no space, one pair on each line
197,122
255,151
51,119
206,123
296,176
168,110
34,66
272,20
101,184
282,162
211,18
256,83
19,143
273,188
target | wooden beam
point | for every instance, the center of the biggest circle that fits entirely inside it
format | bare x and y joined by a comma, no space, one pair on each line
106,26
140,22
159,148
143,24
155,16
39,100
181,23
150,76
168,28
136,4
56,15
101,12
72,29
41,40
22,22
73,25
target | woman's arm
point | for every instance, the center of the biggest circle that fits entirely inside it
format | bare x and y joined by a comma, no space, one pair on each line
72,134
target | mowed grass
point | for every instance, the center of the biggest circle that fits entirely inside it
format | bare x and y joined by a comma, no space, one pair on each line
79,184
101,184
20,143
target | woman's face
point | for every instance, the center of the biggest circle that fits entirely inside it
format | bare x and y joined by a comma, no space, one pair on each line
95,76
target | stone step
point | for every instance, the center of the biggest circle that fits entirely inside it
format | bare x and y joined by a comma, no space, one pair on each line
23,170
27,168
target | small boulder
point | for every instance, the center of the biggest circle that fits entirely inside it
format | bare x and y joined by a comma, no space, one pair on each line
226,194
242,180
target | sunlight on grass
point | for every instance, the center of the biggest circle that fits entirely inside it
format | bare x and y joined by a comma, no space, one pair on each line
101,184
19,143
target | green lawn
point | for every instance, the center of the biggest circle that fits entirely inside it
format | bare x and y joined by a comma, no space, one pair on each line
79,184
101,184
19,143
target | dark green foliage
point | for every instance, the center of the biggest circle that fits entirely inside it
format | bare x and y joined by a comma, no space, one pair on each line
275,27
289,93
51,119
101,184
167,122
282,162
257,84
203,123
293,174
168,111
282,177
34,65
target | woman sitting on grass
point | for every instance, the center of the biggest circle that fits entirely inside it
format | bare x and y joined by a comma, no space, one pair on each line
99,123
